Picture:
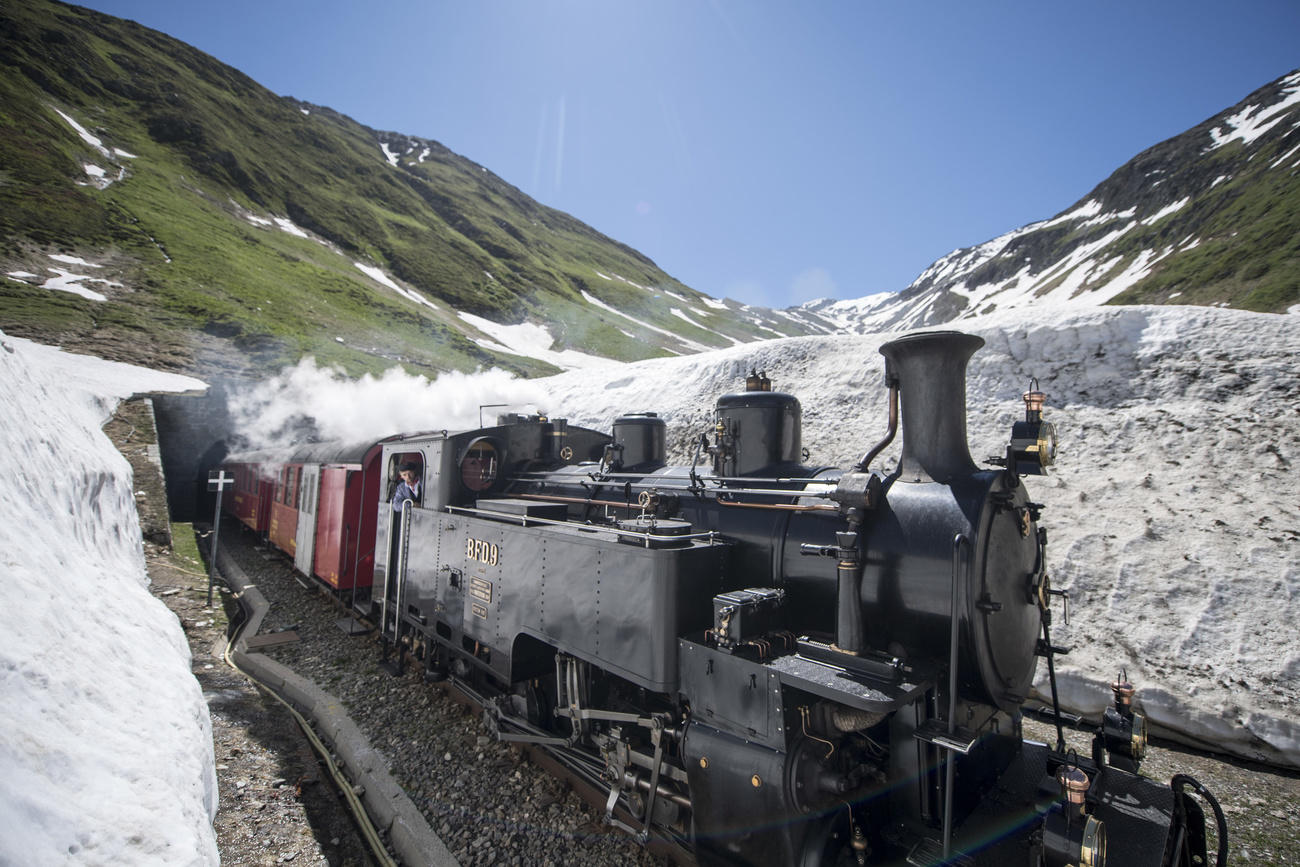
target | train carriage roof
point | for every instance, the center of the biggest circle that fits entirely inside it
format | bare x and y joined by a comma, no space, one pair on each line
328,452
338,452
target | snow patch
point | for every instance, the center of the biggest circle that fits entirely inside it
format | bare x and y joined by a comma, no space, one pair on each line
379,276
691,344
530,340
1254,121
110,763
92,140
287,225
73,260
1286,156
1166,211
65,280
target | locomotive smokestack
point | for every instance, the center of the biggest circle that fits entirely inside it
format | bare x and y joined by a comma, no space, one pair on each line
931,371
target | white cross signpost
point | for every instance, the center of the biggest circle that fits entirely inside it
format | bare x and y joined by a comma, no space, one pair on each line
217,481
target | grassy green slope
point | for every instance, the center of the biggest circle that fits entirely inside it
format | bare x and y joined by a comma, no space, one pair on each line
1249,255
185,225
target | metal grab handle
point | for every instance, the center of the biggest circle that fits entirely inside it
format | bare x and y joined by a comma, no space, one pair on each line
960,542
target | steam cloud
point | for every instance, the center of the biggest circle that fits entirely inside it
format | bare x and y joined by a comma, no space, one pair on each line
324,402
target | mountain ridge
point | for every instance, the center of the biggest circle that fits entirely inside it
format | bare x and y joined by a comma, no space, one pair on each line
1210,216
194,220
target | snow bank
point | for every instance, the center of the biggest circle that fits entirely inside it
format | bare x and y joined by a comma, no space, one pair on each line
1172,515
105,740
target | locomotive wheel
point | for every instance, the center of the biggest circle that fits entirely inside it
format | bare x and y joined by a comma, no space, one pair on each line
803,768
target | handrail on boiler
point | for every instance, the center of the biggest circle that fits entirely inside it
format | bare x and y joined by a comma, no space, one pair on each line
525,521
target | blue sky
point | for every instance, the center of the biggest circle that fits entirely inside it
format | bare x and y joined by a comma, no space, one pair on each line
771,152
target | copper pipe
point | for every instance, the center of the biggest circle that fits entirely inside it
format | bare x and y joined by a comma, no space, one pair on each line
547,498
889,434
817,507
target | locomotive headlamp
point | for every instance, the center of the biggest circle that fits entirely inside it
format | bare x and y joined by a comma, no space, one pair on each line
1073,837
1124,732
1033,441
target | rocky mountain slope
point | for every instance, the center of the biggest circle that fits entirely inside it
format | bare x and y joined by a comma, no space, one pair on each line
161,207
1209,217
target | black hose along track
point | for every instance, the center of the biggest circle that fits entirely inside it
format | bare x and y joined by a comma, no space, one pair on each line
481,802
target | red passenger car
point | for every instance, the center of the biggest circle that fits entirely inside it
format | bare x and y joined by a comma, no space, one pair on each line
341,485
283,530
317,504
251,502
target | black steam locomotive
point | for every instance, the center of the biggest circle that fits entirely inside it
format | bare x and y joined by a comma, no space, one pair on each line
767,662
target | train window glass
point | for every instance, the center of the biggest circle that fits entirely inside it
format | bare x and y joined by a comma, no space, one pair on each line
478,467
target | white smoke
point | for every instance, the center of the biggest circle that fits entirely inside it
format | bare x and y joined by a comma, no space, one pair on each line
326,401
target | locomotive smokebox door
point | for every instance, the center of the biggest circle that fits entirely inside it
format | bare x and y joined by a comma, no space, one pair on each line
741,615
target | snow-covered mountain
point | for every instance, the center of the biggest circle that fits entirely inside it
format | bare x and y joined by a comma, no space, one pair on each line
1209,217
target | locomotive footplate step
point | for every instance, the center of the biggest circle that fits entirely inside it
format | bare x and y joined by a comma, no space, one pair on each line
848,687
936,732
